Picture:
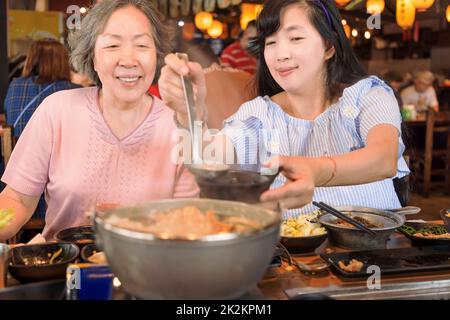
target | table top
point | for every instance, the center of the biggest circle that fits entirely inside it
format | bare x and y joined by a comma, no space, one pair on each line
288,278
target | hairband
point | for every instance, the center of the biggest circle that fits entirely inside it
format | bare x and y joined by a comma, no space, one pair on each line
326,13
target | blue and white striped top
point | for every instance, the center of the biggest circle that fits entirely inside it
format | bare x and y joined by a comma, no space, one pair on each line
260,129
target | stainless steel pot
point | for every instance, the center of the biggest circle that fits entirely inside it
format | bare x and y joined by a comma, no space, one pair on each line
352,238
221,266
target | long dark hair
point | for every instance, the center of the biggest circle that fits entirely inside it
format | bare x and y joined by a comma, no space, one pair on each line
343,68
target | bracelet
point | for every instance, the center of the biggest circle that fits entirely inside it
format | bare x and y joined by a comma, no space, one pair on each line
333,174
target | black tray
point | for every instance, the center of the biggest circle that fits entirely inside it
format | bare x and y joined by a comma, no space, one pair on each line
404,260
420,241
42,290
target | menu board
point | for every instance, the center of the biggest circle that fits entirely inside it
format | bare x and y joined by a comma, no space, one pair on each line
27,25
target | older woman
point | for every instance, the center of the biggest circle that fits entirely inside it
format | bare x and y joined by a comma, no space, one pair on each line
105,144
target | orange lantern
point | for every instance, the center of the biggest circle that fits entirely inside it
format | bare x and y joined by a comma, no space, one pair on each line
342,3
422,5
406,13
447,13
375,6
249,12
215,30
203,20
347,30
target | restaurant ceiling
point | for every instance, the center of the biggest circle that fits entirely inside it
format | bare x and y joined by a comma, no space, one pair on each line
358,8
354,11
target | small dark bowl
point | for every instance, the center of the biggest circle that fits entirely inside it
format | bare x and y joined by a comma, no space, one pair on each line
87,251
81,235
31,263
239,184
303,244
419,241
444,216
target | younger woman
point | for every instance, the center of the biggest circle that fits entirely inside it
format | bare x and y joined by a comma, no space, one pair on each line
342,126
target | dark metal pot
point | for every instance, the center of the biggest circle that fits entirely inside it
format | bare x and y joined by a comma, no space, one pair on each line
220,266
352,238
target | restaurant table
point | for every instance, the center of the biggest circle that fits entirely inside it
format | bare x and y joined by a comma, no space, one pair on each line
414,137
289,282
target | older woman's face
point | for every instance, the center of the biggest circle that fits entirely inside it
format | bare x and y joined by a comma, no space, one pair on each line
125,55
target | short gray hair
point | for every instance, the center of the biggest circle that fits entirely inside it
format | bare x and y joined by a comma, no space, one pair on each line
82,41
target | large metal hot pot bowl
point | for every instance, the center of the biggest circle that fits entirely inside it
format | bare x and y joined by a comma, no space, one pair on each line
352,238
220,266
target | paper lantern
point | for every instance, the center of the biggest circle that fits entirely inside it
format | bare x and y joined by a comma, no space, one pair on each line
375,6
216,29
347,30
249,12
342,3
406,13
203,20
447,13
422,5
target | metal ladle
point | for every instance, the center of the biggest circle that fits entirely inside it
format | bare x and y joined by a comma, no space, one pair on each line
198,168
406,210
208,171
313,267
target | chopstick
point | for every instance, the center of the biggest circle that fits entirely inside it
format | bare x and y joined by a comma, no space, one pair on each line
334,212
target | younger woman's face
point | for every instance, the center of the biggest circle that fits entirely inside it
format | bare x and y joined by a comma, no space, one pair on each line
296,54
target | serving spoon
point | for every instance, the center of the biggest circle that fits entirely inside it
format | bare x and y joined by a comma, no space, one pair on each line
198,168
310,267
406,210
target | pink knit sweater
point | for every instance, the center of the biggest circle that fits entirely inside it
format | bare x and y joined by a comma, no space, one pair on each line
68,151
